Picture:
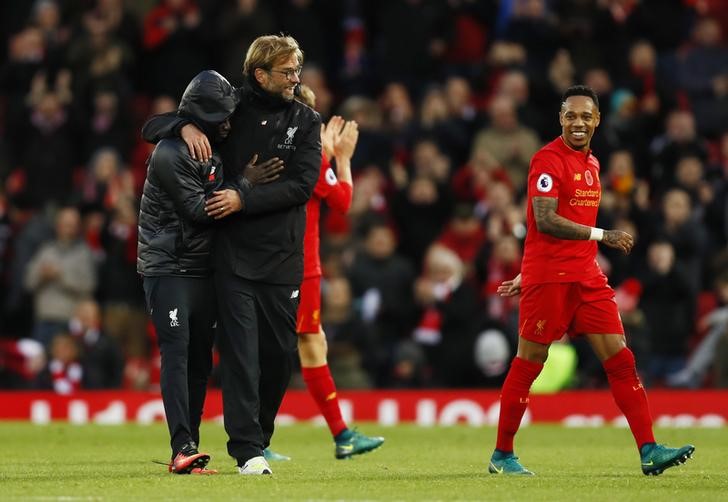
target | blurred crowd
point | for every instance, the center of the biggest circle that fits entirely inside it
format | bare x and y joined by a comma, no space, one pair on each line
452,97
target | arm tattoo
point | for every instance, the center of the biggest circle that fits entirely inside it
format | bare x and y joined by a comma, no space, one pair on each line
550,223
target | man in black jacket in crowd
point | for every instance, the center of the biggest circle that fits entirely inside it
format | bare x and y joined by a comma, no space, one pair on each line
259,251
175,241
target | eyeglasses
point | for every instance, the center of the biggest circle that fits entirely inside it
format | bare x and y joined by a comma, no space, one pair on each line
289,73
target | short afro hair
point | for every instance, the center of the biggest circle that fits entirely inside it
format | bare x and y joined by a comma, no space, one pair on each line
580,90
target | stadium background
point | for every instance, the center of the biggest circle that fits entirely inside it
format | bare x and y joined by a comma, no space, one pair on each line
452,98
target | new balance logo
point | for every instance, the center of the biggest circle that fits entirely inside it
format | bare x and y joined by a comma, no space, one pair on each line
173,321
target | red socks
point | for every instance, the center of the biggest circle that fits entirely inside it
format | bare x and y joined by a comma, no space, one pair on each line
626,388
629,395
514,400
323,390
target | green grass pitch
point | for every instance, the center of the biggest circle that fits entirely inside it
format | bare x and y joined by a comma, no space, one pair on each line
65,462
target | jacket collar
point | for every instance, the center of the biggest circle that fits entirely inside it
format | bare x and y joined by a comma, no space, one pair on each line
263,97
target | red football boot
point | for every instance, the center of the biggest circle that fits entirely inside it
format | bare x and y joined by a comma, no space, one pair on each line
188,459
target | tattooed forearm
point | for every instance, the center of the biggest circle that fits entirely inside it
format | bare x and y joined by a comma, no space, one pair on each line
548,222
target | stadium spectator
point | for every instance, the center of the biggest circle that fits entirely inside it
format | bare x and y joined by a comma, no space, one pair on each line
374,148
427,201
464,235
47,17
703,73
515,85
397,112
108,124
174,43
64,373
31,229
59,275
668,303
412,40
21,361
685,233
381,286
239,23
437,120
25,59
654,92
509,142
315,78
99,59
534,27
679,140
120,290
461,104
346,336
714,326
118,18
307,22
46,149
498,260
101,358
449,315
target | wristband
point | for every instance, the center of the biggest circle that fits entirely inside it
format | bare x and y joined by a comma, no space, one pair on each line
597,234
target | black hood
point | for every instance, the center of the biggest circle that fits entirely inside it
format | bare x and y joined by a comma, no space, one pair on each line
208,100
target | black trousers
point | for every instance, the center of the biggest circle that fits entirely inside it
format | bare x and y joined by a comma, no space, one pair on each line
257,343
183,310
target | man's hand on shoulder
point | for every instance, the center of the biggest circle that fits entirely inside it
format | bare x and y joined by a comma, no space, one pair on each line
197,142
262,173
618,240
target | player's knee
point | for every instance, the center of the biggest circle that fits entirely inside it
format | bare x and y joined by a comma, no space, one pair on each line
533,352
312,349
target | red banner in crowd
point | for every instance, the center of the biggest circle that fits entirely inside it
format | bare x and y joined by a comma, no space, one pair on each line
425,408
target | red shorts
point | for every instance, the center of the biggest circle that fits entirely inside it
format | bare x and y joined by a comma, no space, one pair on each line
547,311
309,307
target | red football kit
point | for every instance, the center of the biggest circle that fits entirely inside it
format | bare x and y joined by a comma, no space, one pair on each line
338,197
563,290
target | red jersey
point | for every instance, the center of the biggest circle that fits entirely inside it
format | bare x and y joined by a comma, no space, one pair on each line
338,197
572,177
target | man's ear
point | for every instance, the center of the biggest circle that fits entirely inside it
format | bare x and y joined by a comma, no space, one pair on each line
260,75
